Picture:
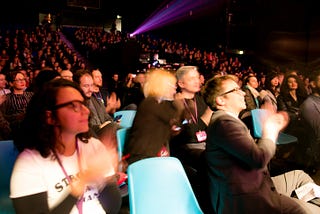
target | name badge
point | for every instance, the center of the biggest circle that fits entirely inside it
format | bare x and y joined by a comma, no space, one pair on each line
201,136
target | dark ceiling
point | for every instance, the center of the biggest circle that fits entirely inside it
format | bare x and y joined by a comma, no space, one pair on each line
283,30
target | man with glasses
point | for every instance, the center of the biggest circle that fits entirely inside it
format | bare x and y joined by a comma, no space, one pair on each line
239,180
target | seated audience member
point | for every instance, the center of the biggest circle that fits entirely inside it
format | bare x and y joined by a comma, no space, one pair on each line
67,74
15,104
109,100
5,130
310,114
156,118
252,97
42,78
272,89
98,112
133,91
189,144
3,86
61,168
100,121
239,179
292,94
115,85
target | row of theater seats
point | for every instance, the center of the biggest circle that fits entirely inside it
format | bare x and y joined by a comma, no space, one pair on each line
155,185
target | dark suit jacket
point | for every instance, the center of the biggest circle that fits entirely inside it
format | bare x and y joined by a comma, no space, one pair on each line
98,113
237,166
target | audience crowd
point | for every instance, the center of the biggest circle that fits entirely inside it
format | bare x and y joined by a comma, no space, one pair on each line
175,116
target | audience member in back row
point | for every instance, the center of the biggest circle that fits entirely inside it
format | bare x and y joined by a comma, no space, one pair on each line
4,90
252,97
133,91
237,165
292,94
156,117
109,99
5,130
15,104
61,168
272,89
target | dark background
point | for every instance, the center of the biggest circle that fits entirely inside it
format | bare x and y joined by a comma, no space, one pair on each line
273,32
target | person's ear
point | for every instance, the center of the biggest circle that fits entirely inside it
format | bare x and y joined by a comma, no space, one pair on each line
50,118
313,84
180,83
219,101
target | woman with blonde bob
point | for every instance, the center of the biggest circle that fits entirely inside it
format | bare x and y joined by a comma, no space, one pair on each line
156,118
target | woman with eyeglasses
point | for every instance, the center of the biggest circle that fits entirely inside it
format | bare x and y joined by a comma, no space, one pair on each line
61,168
15,104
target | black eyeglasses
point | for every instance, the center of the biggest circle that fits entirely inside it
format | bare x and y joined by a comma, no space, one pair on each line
76,105
19,80
232,90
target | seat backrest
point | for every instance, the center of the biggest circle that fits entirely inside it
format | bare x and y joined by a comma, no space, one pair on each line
160,185
258,115
8,155
121,139
127,118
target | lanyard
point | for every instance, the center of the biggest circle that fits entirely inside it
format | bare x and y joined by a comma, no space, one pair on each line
80,201
194,116
98,95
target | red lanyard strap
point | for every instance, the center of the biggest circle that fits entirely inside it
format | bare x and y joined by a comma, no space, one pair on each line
194,116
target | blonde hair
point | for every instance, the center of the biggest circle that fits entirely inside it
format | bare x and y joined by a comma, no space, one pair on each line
158,83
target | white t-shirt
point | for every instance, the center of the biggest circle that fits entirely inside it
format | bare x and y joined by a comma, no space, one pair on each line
34,174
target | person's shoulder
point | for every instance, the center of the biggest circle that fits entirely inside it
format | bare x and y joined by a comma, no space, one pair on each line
310,101
29,156
29,93
219,115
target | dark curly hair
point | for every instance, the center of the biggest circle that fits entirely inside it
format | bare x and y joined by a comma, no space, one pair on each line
35,132
301,91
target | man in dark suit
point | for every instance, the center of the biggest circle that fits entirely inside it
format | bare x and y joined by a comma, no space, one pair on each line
239,179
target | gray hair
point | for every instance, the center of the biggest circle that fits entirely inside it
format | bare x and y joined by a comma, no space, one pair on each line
183,70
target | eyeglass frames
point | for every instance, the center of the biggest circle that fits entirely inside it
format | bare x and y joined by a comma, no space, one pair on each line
76,105
236,89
